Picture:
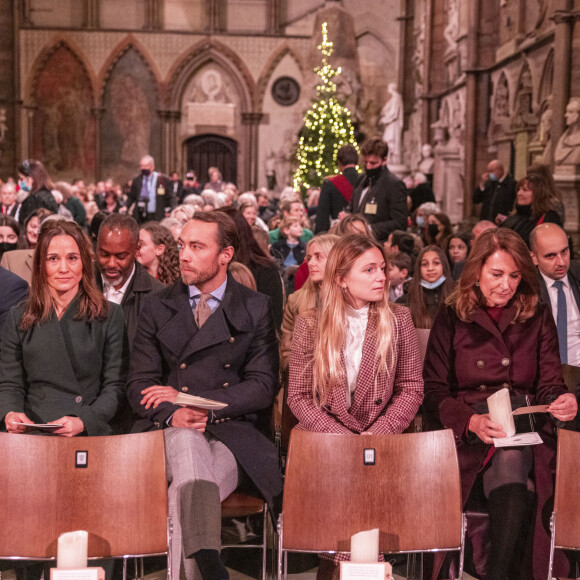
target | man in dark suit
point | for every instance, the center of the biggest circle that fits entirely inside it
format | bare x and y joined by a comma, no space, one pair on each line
209,336
496,192
13,290
336,190
151,193
122,279
379,195
559,286
176,185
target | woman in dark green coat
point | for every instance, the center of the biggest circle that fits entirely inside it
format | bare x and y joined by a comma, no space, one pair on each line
64,351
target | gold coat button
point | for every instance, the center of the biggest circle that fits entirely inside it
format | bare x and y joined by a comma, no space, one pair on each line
505,362
480,364
231,340
182,366
482,388
226,385
185,389
506,386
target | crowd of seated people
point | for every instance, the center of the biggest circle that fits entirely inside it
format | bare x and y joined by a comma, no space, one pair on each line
147,289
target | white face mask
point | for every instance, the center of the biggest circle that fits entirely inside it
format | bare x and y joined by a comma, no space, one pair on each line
433,285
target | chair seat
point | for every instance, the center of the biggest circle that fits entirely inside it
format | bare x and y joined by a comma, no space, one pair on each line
240,504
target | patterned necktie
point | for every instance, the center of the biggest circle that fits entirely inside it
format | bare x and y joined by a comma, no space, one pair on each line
202,311
562,322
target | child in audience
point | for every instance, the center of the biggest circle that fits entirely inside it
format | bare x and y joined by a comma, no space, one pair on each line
289,248
430,286
399,268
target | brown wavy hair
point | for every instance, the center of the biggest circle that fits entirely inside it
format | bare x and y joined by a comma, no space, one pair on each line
168,268
39,307
467,296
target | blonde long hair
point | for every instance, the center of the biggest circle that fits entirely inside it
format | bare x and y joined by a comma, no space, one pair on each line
307,297
331,331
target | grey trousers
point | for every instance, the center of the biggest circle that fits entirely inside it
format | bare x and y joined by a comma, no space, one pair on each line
201,472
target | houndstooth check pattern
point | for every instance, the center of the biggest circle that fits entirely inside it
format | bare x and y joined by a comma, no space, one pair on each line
388,409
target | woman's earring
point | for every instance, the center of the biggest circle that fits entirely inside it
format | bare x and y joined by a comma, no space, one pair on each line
477,283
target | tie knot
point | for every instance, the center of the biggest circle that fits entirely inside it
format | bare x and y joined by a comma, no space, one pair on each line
202,310
558,284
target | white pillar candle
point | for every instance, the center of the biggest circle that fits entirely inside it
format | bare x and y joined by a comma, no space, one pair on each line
364,546
72,550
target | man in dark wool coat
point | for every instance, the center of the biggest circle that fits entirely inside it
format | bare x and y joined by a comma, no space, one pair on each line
209,336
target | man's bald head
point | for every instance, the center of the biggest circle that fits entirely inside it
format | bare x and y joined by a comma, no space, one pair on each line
496,167
550,250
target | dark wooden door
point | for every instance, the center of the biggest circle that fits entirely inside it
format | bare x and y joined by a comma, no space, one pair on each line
205,151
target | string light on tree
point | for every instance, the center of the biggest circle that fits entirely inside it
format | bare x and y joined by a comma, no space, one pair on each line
327,126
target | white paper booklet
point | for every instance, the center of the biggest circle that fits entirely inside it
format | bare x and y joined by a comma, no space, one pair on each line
192,401
532,438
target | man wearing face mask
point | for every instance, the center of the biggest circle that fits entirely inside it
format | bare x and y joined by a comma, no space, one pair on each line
496,192
151,193
379,195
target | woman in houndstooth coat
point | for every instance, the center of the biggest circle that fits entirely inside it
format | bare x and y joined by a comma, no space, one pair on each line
355,365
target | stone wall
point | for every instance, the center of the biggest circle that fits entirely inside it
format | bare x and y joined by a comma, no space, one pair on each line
136,78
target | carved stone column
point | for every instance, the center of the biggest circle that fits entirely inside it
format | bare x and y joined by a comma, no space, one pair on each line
252,120
98,115
564,19
8,88
169,158
91,14
471,106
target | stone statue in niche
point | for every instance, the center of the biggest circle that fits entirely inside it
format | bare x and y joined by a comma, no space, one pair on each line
392,120
270,169
3,125
499,122
132,117
542,139
524,118
427,160
419,58
451,31
349,91
568,148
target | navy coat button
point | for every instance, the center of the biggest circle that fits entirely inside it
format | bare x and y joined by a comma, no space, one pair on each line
231,340
185,389
227,366
182,366
226,385
79,399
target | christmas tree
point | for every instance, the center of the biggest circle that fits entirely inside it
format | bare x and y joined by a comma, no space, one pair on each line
327,126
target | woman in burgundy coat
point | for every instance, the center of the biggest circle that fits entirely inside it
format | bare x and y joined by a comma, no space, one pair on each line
492,334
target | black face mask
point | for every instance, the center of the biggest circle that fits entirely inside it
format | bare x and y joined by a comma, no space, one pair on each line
7,247
372,174
145,172
433,230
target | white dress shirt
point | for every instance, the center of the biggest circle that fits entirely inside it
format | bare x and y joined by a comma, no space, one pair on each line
113,295
573,312
356,328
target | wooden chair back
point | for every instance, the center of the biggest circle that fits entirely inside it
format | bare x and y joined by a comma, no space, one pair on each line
119,497
567,495
412,493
